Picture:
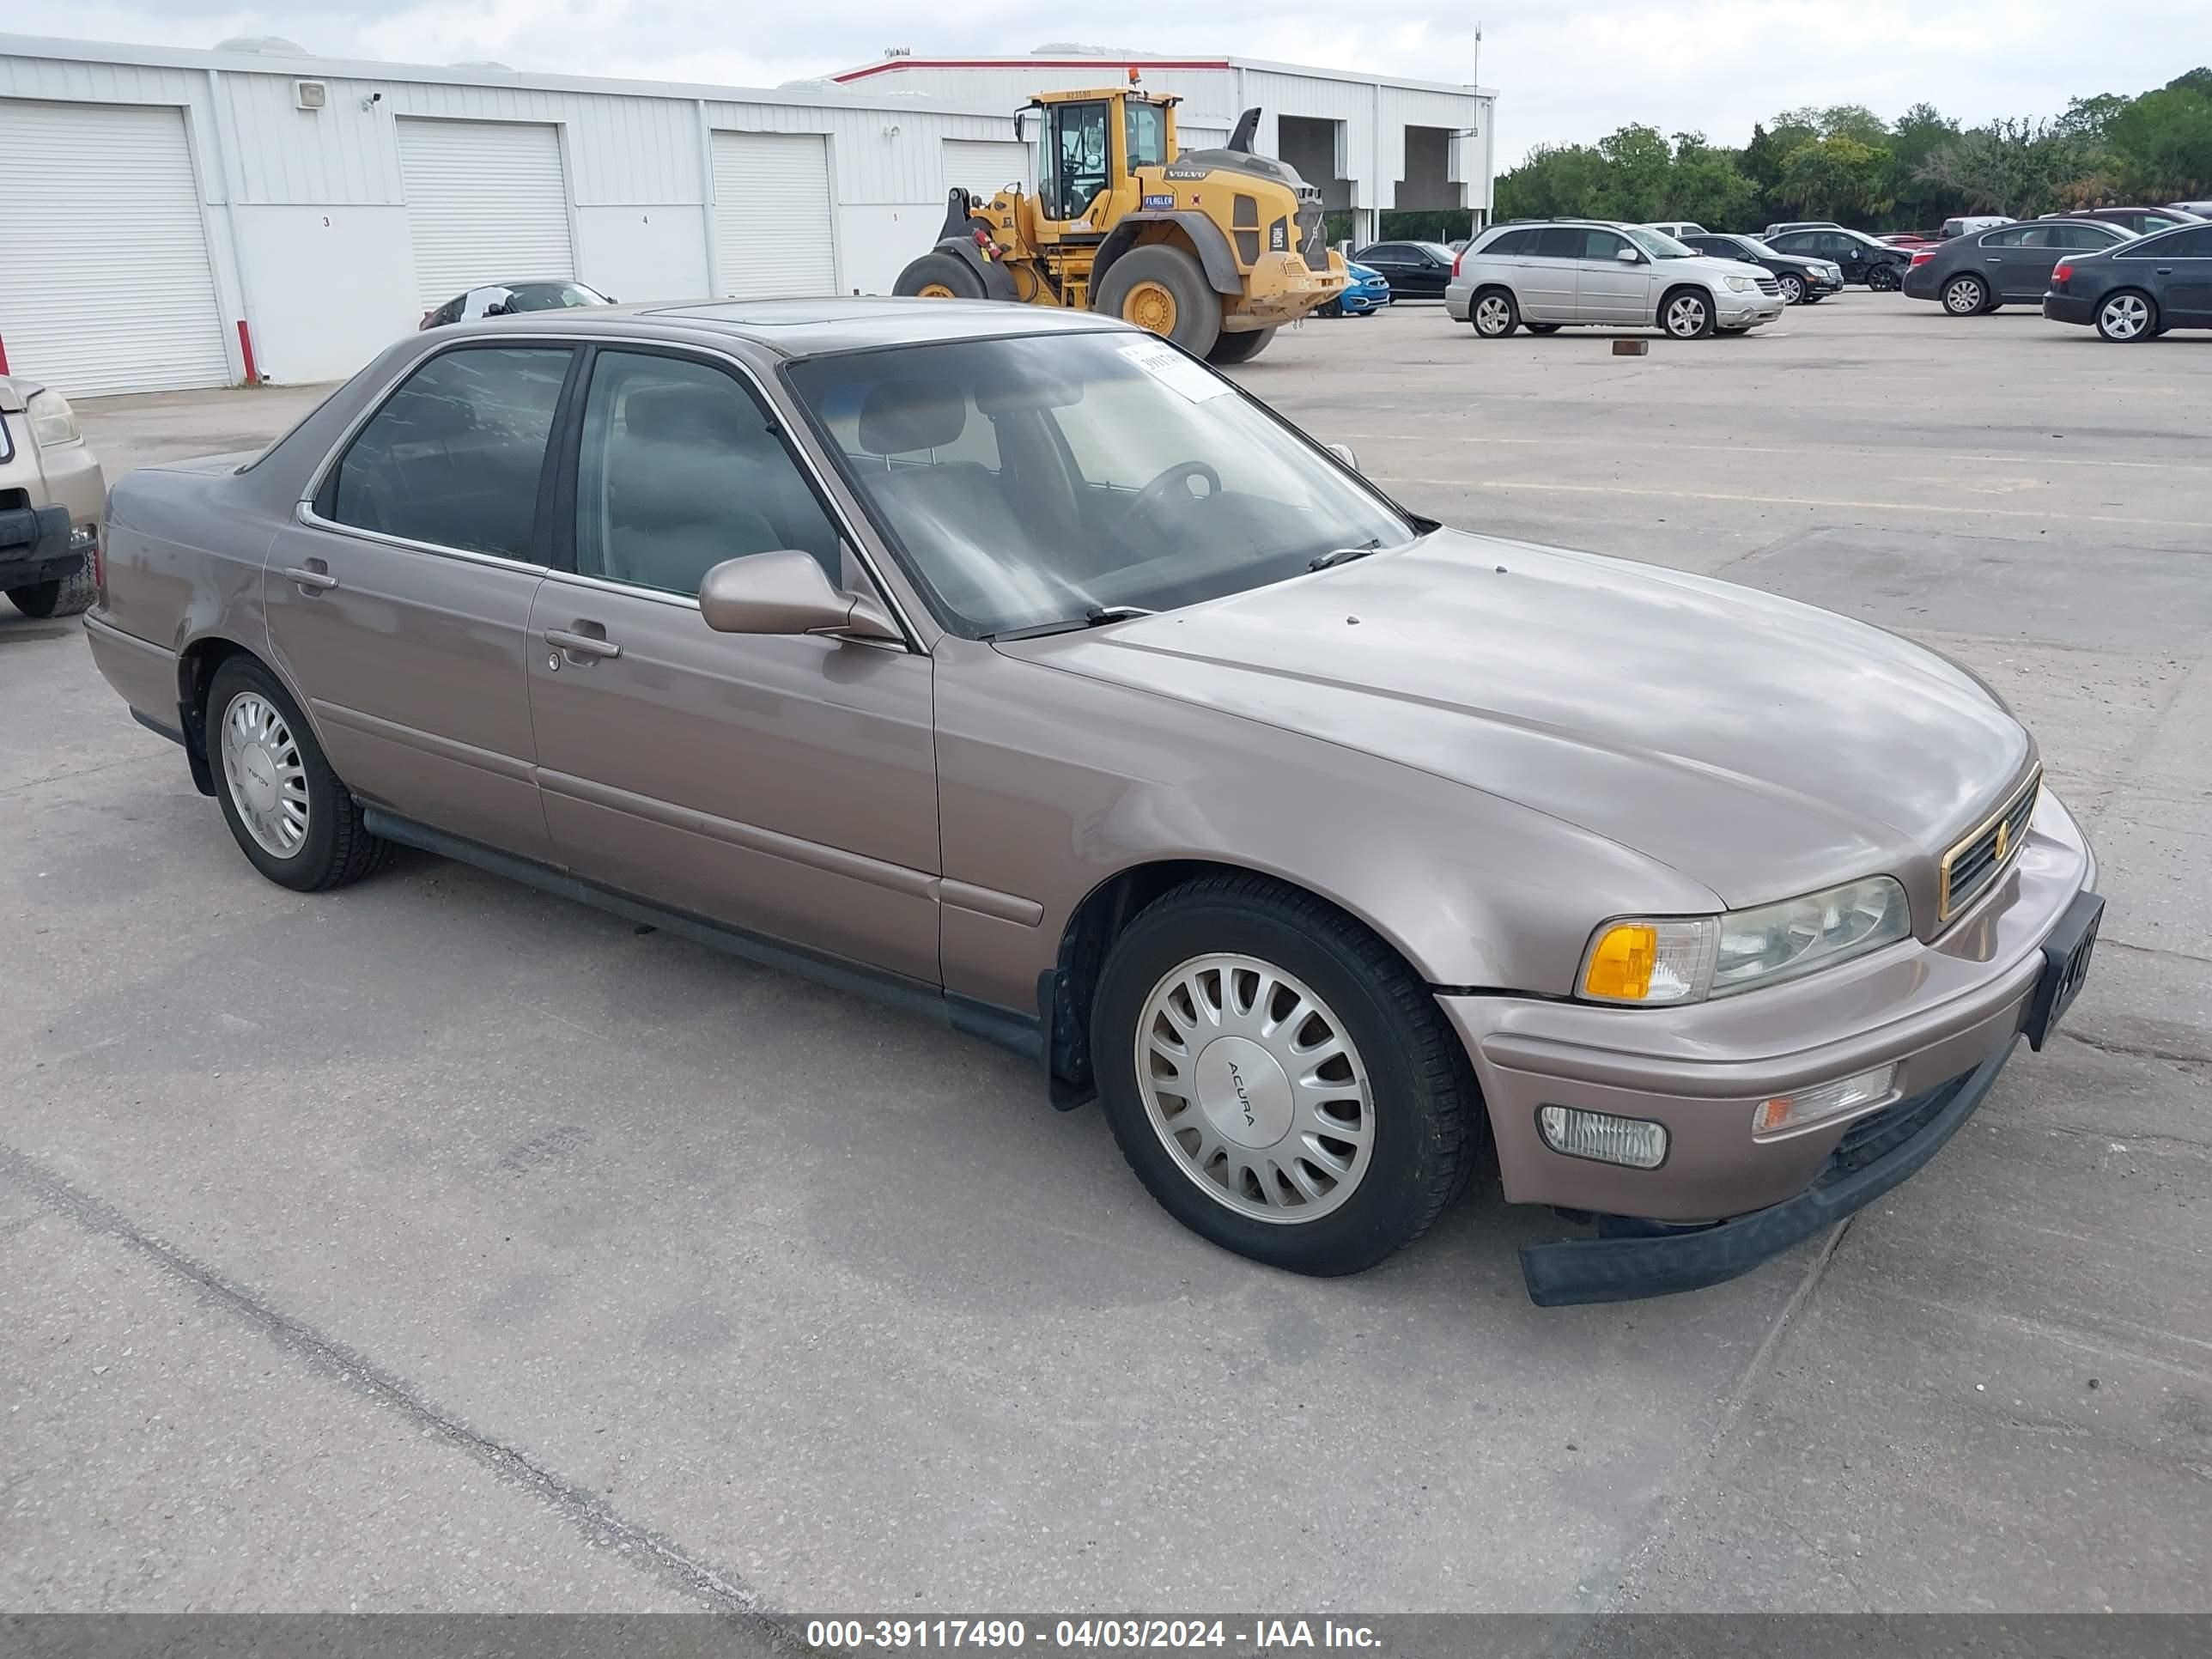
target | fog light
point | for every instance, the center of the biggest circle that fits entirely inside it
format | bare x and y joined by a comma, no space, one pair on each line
1781,1114
1601,1135
82,536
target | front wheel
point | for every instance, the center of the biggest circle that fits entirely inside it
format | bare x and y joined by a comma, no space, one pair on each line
64,596
2127,316
1240,348
1793,288
1542,328
1882,278
1494,313
1278,1078
292,817
939,276
1686,314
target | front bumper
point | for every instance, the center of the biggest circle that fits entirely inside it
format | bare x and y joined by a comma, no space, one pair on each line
1938,1011
1281,287
1357,302
1747,310
2070,308
34,545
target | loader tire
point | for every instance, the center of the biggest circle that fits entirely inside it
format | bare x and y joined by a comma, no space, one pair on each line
939,276
1240,348
1162,288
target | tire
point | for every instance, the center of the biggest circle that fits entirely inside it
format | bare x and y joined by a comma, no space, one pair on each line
1686,314
1162,288
64,596
2127,315
283,773
1814,299
939,276
1793,288
1329,309
1408,1088
1493,312
1883,279
1240,348
1542,328
1966,296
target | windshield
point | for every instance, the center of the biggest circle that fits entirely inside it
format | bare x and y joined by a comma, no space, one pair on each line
1657,244
1037,480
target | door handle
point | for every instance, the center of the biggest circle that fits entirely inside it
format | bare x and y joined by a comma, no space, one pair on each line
582,647
2162,270
313,577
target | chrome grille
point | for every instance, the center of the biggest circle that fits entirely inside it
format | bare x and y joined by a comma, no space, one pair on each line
1971,866
1768,285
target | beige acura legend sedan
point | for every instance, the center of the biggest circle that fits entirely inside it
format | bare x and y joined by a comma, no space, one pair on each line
1020,668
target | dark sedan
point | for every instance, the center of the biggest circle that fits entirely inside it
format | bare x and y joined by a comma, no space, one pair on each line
1804,279
1415,271
2138,288
1862,258
1970,275
2140,222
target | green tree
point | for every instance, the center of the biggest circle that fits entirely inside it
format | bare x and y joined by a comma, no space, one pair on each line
2014,166
1637,162
2161,143
1838,179
1918,201
1708,187
1555,181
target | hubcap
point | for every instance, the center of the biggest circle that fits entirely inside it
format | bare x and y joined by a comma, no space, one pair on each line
268,781
1491,315
1252,1086
1964,297
1792,289
1685,316
1150,305
2126,316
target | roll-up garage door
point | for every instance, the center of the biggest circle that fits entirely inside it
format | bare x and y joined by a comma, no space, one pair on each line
104,279
487,201
983,167
774,233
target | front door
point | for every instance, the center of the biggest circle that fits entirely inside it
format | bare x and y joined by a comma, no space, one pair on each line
1609,289
2183,270
787,785
399,598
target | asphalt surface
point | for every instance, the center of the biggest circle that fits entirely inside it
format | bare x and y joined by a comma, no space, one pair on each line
436,1245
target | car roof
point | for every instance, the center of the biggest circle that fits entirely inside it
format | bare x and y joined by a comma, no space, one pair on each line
809,327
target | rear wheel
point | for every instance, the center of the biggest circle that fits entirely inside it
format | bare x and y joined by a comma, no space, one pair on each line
1686,314
2127,316
1162,289
1494,313
1278,1078
65,596
1966,296
292,817
939,276
1793,287
1242,347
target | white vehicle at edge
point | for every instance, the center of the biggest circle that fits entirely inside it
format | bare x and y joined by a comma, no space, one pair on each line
1547,273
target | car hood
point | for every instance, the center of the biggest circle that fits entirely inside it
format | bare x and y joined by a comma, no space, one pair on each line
1760,747
1711,268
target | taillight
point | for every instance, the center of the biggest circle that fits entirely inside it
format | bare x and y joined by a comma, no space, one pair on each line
1923,256
1456,257
2062,273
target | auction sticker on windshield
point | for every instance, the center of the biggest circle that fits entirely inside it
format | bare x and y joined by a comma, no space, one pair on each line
1173,370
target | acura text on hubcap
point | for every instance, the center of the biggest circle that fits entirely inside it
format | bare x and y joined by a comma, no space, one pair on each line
1251,1083
268,782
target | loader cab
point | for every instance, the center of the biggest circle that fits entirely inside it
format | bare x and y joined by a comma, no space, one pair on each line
1091,143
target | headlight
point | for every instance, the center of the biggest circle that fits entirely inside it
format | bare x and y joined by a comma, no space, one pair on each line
1742,284
53,421
1655,961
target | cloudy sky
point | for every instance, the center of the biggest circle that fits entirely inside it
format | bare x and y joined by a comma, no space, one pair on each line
1566,70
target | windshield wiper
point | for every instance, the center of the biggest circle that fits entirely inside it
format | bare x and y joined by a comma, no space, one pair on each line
1098,617
1344,555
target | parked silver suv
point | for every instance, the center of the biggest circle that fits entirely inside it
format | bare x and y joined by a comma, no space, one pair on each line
1584,271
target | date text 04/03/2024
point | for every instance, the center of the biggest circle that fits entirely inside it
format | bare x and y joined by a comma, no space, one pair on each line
1256,1637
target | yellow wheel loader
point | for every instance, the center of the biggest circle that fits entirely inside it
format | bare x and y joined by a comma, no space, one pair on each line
1213,248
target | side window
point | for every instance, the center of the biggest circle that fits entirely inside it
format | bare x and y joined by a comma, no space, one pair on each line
2084,236
2189,244
454,456
1388,253
1791,242
1602,244
1558,242
2015,236
682,468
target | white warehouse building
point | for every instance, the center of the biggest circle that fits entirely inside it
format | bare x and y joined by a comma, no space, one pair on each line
172,218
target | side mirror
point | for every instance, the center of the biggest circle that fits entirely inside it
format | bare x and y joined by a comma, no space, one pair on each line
1628,256
1344,453
786,592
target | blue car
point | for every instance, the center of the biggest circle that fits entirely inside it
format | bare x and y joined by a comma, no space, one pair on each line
1367,292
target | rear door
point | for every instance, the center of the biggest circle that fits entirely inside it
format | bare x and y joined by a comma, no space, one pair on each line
1549,274
2008,259
399,598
